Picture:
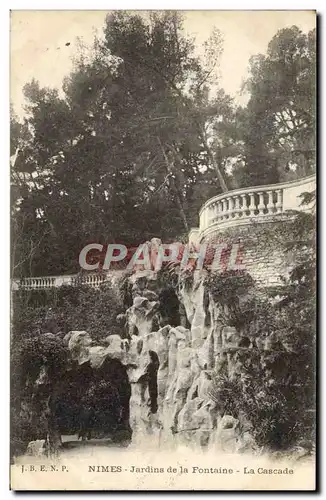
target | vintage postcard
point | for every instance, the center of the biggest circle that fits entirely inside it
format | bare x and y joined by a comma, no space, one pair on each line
163,248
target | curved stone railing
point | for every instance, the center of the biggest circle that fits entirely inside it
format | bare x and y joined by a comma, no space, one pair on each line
246,205
42,282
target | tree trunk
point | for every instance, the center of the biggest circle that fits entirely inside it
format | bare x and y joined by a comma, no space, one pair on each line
169,170
213,162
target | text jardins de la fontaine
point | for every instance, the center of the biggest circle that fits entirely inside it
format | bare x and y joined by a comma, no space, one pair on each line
187,470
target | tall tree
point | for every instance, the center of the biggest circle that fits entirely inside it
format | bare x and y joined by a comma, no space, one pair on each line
279,120
122,152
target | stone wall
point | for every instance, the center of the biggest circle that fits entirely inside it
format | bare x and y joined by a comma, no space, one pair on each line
262,249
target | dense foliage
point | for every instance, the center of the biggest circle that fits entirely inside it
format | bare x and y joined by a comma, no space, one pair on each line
277,388
142,134
59,311
65,309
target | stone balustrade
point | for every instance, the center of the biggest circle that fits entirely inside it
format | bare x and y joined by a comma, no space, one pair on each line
42,282
253,204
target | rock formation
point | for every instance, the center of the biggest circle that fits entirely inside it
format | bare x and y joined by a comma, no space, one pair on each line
171,369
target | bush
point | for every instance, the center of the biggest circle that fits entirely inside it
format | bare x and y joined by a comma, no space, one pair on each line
228,286
64,309
55,310
276,389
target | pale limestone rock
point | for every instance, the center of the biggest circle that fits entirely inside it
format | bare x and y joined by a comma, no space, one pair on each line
78,346
140,316
171,369
199,330
36,448
227,434
246,443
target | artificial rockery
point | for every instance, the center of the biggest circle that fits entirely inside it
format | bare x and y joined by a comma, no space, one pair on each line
204,361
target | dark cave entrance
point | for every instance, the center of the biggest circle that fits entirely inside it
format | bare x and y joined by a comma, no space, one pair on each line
169,307
94,403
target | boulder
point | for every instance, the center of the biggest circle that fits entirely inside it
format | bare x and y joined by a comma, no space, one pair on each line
37,448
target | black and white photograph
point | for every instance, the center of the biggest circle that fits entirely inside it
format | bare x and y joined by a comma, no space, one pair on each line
163,250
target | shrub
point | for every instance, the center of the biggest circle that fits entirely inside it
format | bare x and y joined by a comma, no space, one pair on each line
64,309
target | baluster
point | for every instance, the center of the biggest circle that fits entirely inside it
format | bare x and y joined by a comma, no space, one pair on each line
236,209
207,217
211,213
252,204
224,208
210,210
216,212
244,205
270,204
231,206
220,210
261,205
279,203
